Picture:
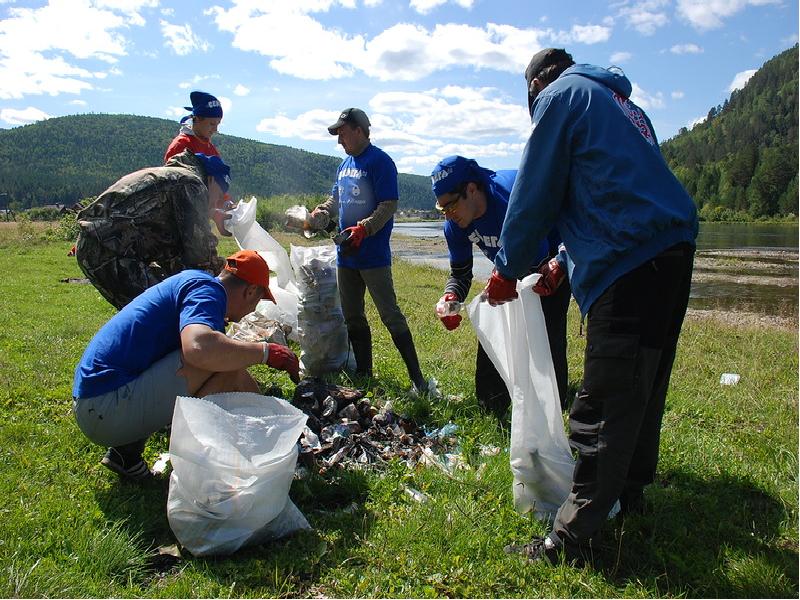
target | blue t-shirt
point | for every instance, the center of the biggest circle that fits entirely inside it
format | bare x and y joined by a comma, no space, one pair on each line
484,231
363,182
148,329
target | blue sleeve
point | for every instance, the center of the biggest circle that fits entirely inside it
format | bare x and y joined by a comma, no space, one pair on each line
539,189
384,180
459,247
202,303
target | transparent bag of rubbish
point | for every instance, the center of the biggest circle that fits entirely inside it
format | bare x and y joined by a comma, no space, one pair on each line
233,459
321,330
249,234
515,339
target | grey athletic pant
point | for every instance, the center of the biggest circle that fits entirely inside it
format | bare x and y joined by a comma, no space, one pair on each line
615,421
352,285
137,409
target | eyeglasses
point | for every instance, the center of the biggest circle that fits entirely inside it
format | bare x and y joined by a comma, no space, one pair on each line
447,209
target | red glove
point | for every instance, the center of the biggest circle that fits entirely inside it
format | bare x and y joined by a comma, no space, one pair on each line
357,235
552,275
450,321
280,357
499,289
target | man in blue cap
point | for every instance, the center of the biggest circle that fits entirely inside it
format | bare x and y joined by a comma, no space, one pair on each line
154,223
473,201
592,168
365,197
206,115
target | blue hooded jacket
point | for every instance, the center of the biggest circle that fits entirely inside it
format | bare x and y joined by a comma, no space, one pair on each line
593,169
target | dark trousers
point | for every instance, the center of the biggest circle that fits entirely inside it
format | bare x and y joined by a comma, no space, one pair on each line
491,390
615,421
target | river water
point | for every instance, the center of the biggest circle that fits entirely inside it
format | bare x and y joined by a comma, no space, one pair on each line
739,266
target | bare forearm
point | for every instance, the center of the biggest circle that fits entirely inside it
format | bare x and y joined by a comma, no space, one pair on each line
216,352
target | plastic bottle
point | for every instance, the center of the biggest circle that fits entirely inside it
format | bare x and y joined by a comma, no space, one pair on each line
447,308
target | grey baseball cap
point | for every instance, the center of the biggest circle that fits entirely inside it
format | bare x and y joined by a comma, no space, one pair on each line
353,116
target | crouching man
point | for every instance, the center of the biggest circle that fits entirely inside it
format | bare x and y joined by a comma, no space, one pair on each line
170,341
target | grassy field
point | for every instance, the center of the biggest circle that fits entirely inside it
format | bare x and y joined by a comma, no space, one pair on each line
724,508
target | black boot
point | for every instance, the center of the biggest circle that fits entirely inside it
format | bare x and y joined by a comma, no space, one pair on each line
405,345
361,341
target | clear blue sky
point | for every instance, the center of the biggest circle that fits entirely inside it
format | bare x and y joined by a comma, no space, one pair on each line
437,77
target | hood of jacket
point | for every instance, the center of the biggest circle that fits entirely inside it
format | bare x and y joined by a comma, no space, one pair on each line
615,80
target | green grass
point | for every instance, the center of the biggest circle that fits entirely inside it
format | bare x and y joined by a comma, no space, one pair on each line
724,508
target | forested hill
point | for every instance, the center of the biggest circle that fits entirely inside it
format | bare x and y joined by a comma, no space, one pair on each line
65,159
742,161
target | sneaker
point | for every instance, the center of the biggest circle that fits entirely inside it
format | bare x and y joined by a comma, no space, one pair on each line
134,468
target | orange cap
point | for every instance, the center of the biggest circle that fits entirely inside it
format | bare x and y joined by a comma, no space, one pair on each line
250,266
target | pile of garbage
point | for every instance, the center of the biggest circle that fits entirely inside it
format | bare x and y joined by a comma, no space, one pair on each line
257,327
344,429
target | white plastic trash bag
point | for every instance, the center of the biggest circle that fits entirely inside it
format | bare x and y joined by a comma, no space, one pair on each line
250,235
233,459
515,339
320,323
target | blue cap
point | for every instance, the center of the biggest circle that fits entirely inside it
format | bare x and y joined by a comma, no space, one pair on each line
217,169
455,170
204,105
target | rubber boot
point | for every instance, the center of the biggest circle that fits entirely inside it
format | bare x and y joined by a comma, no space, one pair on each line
405,345
361,341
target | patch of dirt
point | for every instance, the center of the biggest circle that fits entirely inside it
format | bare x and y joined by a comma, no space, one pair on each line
744,319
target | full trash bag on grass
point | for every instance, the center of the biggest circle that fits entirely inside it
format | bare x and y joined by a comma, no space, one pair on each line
515,339
233,458
320,322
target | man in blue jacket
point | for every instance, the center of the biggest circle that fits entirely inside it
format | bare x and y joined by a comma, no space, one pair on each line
365,197
592,168
473,201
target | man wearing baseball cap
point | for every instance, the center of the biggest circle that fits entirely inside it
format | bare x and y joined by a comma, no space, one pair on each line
365,197
170,341
473,201
153,223
592,167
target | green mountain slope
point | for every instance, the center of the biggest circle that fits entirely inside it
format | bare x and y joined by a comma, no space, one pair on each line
742,161
65,159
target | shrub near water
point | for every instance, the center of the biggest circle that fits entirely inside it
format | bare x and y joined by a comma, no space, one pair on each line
723,518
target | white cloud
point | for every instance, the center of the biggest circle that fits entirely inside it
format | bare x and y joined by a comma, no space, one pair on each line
686,49
38,46
77,102
590,34
185,85
646,100
740,79
404,51
645,16
425,6
677,95
22,117
709,14
241,90
620,57
182,39
697,121
176,111
411,126
372,3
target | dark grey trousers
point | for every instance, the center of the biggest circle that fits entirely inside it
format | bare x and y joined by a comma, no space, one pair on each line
615,421
353,284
